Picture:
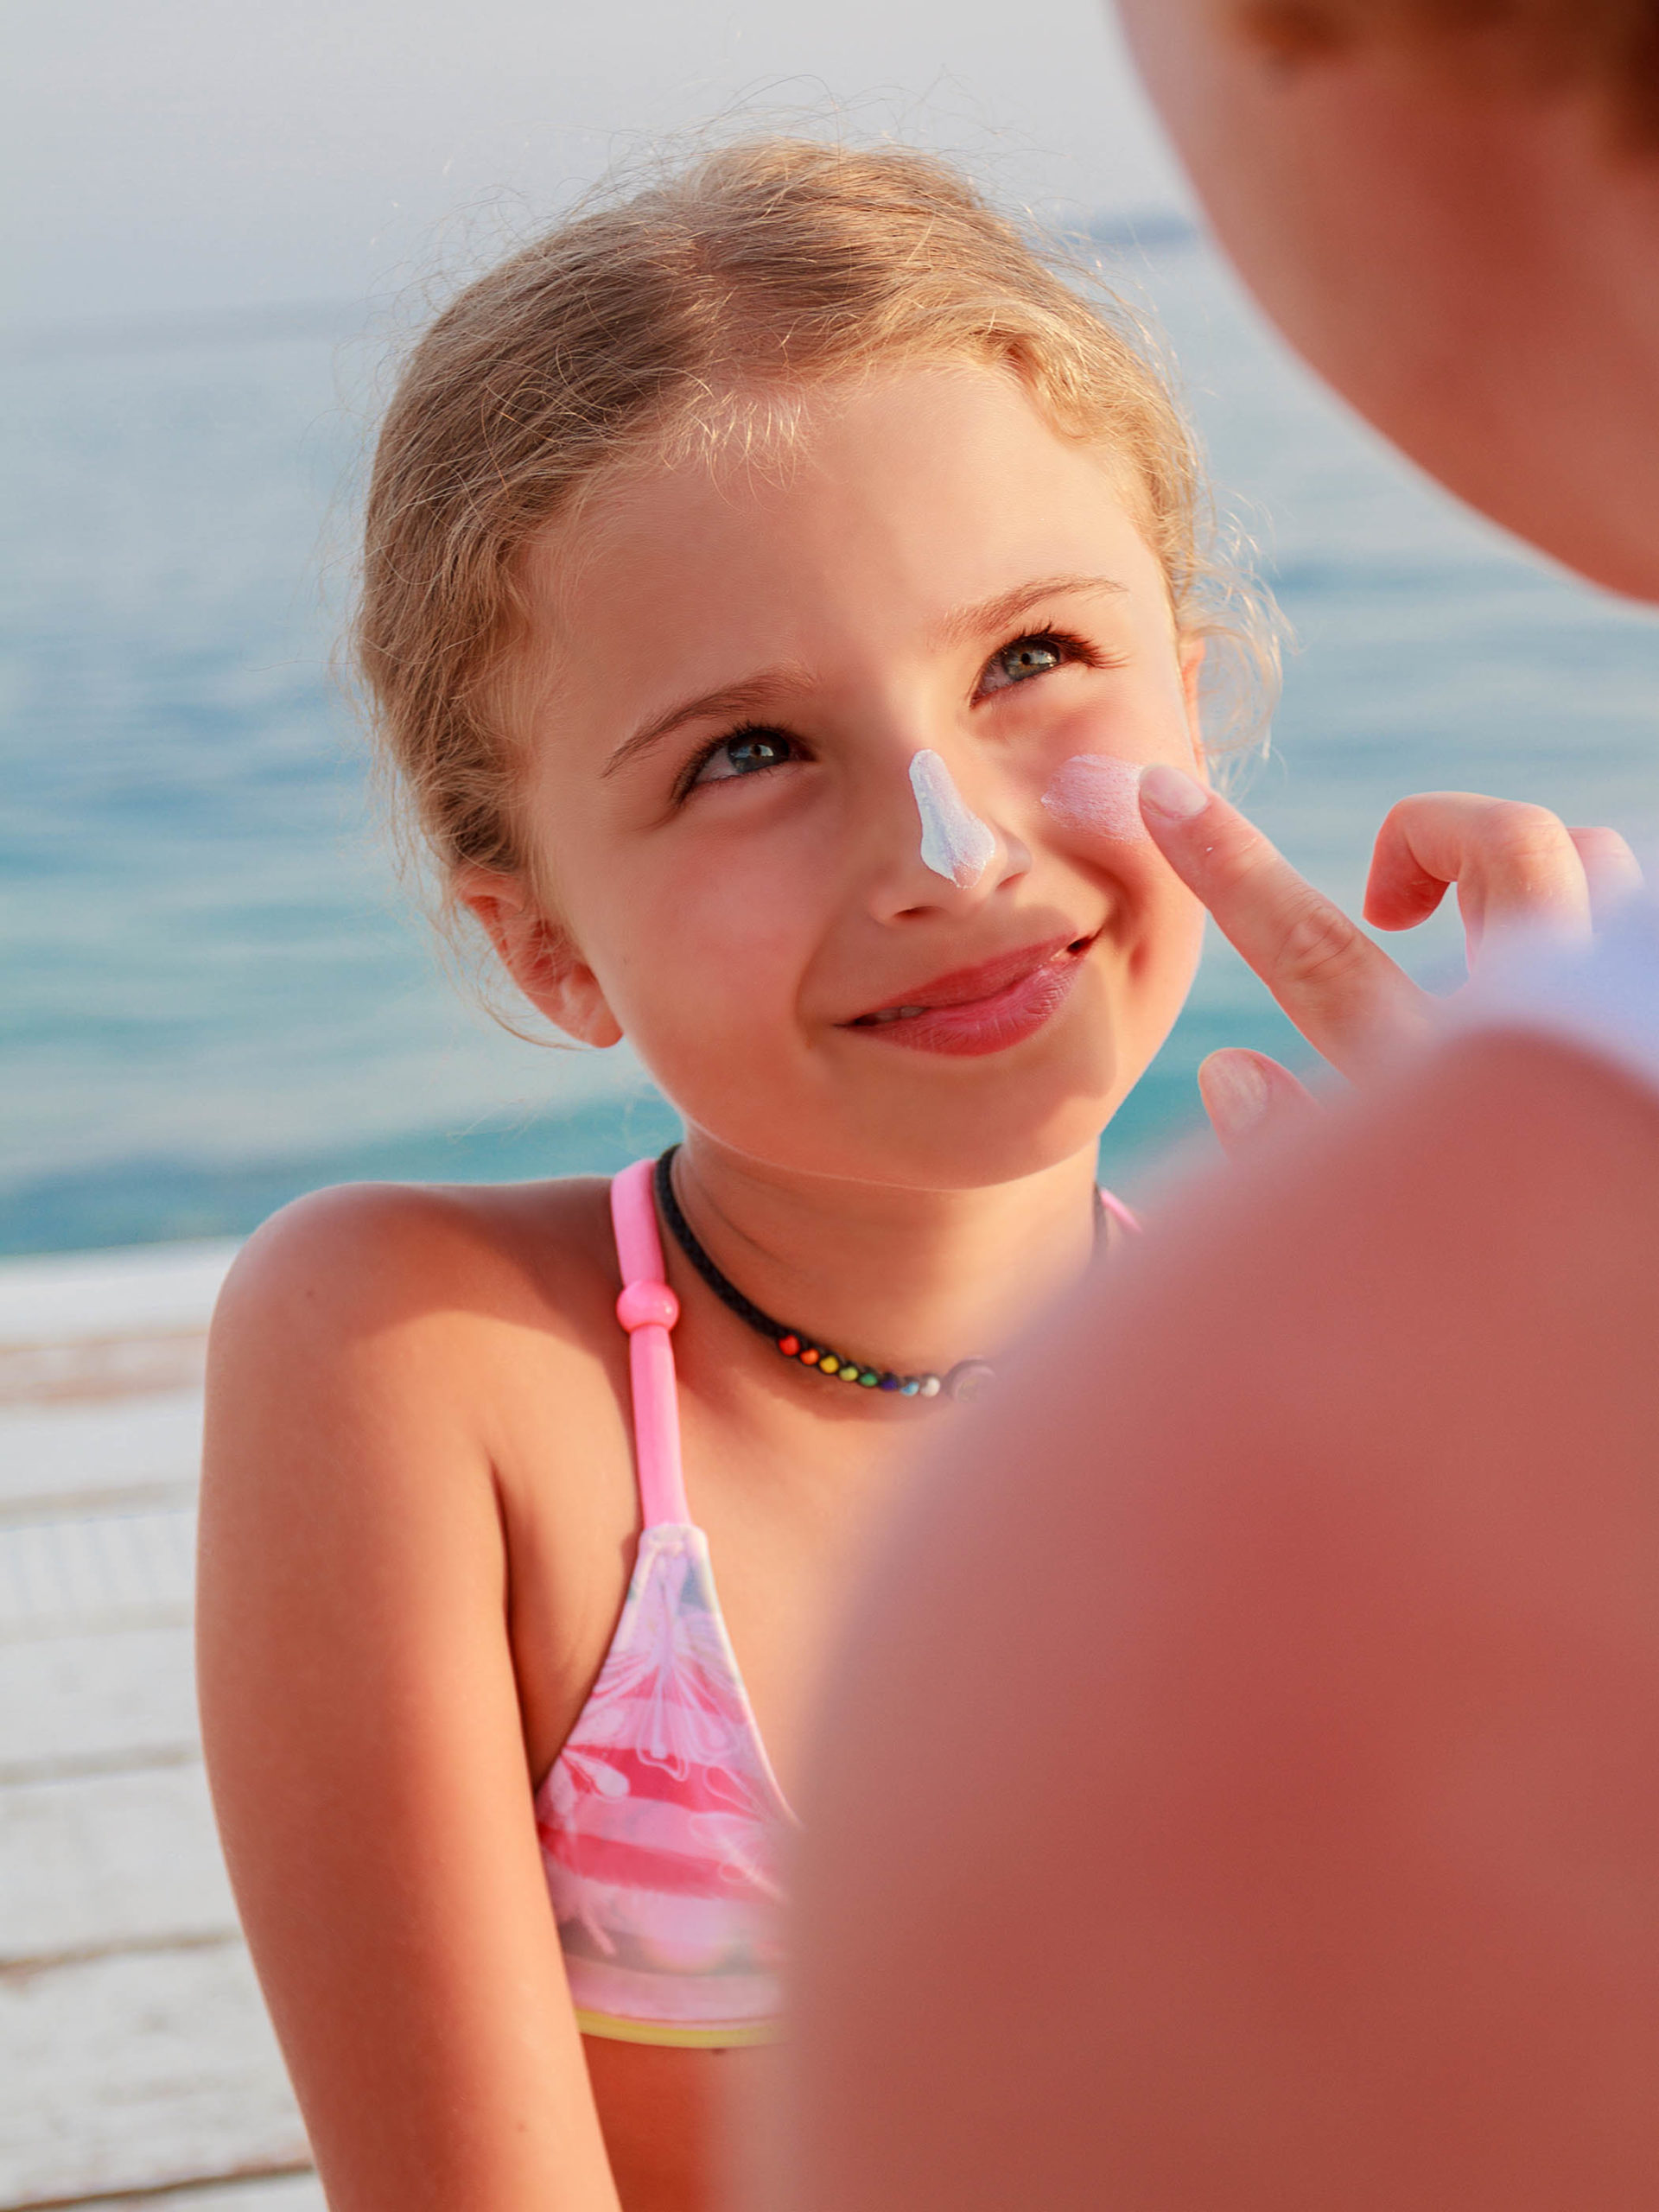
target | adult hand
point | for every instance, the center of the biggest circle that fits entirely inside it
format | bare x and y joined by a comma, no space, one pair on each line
1510,862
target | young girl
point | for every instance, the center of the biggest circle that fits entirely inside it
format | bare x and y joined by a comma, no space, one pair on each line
774,587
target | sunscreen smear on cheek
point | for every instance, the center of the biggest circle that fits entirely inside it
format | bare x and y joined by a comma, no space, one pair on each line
1094,792
956,844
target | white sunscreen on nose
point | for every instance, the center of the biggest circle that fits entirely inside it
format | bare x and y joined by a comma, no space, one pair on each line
1094,792
956,844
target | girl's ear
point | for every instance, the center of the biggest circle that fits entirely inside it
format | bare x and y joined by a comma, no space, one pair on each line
1191,656
540,955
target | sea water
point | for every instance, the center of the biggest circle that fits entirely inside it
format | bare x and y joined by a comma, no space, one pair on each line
214,992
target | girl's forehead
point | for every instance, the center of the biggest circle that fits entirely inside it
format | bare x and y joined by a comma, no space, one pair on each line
920,491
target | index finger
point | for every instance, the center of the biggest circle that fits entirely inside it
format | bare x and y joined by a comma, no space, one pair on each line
1341,991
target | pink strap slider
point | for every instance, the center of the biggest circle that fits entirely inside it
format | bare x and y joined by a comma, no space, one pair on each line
644,1303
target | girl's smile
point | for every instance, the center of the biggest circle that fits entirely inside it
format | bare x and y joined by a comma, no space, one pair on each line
982,1009
789,730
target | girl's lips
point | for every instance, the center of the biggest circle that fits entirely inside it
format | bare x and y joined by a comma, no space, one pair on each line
1004,1014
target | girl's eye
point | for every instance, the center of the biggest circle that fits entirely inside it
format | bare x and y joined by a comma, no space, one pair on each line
1020,662
745,752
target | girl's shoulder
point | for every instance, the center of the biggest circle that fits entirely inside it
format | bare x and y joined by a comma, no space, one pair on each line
435,1280
417,1411
547,1243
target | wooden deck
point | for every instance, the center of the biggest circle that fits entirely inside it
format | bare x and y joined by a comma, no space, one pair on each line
136,2066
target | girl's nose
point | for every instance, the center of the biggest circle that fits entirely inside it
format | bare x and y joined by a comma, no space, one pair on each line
954,845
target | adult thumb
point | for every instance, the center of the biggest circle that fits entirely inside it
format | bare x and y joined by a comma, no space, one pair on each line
1250,1099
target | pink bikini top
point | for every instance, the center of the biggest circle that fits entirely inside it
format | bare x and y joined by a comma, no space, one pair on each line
661,1819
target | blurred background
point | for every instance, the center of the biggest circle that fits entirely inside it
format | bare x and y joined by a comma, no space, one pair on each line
222,221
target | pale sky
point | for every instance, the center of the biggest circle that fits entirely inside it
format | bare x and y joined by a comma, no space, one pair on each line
191,154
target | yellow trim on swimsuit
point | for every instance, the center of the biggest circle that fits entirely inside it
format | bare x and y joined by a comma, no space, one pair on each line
606,2023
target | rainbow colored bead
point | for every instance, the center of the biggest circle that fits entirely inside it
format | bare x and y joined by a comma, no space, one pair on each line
792,1346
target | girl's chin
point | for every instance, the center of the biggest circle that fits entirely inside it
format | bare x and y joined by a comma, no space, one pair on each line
965,1151
866,1113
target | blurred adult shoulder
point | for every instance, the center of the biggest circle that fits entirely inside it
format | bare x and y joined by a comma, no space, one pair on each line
1314,1644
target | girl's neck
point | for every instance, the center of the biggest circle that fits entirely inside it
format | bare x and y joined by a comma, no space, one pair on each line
916,1279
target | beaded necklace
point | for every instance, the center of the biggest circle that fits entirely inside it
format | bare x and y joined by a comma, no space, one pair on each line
965,1380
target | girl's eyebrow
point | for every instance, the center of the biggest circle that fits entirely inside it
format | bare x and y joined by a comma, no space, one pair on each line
748,697
986,615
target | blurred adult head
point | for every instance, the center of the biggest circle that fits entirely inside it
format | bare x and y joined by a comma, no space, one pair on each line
1451,209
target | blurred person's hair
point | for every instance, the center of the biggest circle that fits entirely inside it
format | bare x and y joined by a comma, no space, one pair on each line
690,317
1608,50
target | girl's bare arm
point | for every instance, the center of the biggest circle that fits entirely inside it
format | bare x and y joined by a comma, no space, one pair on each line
362,1725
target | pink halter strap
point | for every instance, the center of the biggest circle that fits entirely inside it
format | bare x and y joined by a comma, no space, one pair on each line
1119,1212
648,1309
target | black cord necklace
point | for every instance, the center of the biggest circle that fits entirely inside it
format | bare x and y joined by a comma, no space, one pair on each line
964,1380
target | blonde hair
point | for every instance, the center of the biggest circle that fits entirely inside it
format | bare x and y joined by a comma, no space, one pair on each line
656,322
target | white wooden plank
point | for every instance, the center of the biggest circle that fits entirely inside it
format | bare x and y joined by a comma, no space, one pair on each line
63,1454
152,1290
73,1702
150,2069
120,1570
92,1368
287,2193
105,1860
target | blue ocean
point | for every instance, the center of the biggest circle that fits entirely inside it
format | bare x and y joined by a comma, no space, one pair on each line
215,990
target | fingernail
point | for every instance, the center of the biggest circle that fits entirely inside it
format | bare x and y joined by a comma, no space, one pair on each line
1234,1091
1170,793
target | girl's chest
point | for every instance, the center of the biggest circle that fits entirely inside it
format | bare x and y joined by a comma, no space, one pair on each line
782,1513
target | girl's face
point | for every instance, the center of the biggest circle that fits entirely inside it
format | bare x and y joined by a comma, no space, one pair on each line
729,691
